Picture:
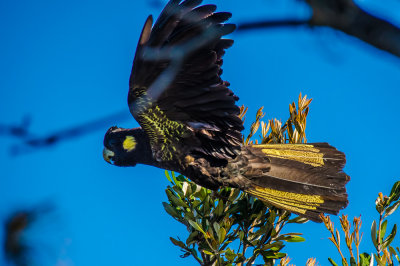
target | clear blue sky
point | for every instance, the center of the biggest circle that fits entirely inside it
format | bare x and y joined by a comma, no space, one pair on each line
65,63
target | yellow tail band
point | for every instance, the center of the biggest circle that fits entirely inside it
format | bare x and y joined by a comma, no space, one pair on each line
303,153
299,203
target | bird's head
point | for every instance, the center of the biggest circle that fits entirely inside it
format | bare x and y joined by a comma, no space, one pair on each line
126,147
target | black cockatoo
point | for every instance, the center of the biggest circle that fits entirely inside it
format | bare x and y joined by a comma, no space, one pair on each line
190,124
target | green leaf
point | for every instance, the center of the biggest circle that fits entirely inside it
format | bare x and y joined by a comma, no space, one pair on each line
176,181
207,252
176,200
295,239
280,255
192,238
182,178
184,255
264,230
390,237
230,255
234,208
173,177
378,261
201,193
187,189
272,254
206,205
398,253
188,215
272,216
373,234
240,258
383,229
394,253
196,203
177,190
171,210
168,177
221,235
332,262
298,220
365,259
216,227
285,215
194,253
241,235
227,223
220,208
235,193
276,246
391,209
395,192
198,227
274,233
291,237
353,261
177,243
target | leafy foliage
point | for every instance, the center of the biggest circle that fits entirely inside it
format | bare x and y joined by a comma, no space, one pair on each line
228,226
385,253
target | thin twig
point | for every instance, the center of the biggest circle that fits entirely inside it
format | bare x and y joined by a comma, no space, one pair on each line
245,26
379,235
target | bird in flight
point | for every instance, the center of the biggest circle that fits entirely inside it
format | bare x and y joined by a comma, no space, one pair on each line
190,121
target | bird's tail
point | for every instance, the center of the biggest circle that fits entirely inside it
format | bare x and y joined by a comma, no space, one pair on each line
306,179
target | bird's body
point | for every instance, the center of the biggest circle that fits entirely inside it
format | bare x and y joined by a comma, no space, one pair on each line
190,121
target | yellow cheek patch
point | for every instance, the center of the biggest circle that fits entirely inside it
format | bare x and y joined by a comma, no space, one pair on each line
129,143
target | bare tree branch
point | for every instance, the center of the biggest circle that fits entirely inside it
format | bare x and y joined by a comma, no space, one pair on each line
30,142
345,16
18,131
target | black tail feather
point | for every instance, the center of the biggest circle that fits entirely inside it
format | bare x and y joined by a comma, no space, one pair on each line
306,179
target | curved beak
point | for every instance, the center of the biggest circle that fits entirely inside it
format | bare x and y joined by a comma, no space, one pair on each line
108,155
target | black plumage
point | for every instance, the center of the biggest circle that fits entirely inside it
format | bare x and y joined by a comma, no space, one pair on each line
192,125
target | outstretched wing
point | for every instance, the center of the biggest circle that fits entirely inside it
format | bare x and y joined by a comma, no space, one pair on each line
175,90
